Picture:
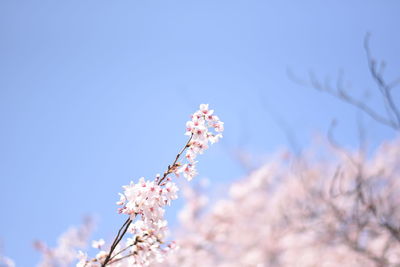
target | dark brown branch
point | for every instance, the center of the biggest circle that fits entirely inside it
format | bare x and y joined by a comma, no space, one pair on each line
118,238
391,119
341,94
384,88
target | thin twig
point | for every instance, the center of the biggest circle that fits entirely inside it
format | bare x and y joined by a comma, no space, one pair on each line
173,165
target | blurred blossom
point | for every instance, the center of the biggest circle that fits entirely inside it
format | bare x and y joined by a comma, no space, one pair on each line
6,262
309,214
64,254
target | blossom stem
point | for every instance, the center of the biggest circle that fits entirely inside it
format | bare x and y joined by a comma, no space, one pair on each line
170,167
117,239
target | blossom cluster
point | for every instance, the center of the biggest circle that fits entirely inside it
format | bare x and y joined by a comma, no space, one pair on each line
200,129
144,202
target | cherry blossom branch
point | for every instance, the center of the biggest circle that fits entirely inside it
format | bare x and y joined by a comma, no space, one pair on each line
144,201
119,236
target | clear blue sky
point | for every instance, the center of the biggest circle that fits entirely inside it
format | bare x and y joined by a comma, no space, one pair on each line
96,93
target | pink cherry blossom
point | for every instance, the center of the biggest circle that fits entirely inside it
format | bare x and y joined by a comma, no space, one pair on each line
144,202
